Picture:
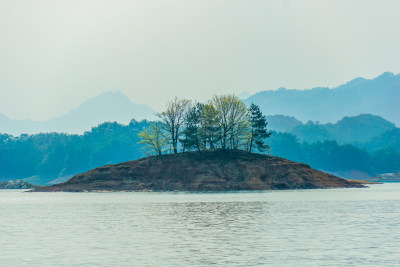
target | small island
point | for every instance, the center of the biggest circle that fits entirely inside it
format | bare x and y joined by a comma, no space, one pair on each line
219,170
204,147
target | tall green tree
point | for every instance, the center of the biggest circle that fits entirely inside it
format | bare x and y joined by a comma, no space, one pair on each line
258,129
232,119
191,134
209,130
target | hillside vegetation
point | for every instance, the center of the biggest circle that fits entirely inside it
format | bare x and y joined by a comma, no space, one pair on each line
354,147
349,130
47,157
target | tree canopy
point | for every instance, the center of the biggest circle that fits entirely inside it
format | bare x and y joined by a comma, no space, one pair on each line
222,122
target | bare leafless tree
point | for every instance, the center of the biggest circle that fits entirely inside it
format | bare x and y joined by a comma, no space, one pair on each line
172,120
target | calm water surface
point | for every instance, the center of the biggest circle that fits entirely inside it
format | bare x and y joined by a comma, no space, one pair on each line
335,227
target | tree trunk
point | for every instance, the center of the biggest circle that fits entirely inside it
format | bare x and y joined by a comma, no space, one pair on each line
251,140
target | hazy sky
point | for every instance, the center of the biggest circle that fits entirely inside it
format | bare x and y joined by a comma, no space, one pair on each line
56,54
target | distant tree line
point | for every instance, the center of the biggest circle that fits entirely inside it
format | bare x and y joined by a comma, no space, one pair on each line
45,157
223,122
41,158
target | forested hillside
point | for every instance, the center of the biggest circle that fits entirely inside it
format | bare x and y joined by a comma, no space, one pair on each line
357,130
346,160
43,158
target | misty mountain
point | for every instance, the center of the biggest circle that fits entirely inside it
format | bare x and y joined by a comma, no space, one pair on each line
349,130
387,140
244,95
379,96
110,106
282,123
359,128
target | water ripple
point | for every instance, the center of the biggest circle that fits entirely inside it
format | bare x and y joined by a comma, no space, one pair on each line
338,227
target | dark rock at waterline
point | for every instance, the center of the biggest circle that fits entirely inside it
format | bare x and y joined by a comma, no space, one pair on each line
386,177
217,170
17,184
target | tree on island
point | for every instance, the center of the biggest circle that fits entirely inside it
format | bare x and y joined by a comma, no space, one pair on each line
258,129
154,139
172,120
209,132
223,122
232,120
191,134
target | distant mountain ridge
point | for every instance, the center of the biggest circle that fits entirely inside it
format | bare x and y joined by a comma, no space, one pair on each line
109,106
365,130
282,123
349,130
379,96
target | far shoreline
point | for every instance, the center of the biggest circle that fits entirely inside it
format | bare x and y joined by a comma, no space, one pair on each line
363,181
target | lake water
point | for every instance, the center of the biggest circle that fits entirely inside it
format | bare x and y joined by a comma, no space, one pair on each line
334,227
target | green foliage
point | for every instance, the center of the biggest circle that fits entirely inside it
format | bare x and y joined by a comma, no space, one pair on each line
153,139
333,157
209,132
359,128
349,130
386,160
286,145
223,122
388,140
192,139
48,156
232,119
312,132
259,131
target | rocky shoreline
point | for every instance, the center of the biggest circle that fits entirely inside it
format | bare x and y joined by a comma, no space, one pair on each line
17,184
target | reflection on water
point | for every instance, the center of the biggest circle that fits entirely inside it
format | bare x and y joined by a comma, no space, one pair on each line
333,227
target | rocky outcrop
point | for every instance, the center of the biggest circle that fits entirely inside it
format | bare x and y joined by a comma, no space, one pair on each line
17,184
218,170
387,177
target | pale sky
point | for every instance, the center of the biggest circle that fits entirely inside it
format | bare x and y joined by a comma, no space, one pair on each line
56,54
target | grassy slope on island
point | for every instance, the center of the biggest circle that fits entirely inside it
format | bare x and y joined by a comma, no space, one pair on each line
216,170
